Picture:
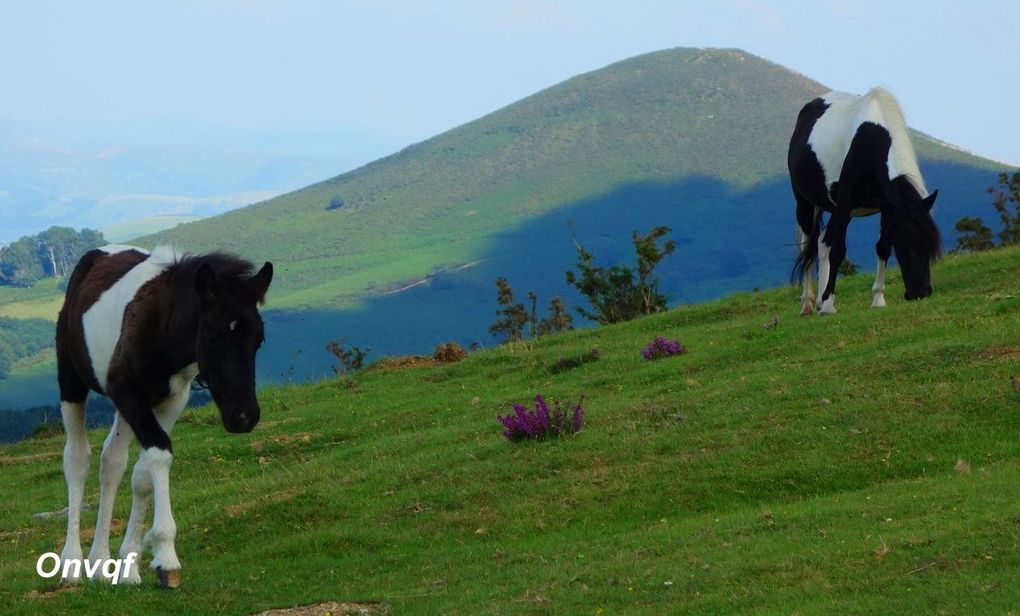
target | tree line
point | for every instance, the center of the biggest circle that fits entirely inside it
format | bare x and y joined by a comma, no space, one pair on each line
616,294
975,235
50,254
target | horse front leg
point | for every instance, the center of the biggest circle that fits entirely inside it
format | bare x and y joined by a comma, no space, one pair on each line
142,488
151,475
164,530
76,470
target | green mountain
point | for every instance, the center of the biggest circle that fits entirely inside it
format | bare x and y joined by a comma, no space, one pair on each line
402,253
653,120
861,464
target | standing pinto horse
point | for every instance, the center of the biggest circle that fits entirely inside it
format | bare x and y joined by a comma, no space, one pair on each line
851,156
139,327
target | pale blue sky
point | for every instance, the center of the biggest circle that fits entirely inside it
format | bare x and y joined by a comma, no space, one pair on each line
391,72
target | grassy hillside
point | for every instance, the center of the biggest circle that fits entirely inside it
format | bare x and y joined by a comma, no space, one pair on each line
864,463
659,119
125,231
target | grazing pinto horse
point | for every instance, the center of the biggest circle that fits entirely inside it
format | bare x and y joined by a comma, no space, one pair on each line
851,156
139,327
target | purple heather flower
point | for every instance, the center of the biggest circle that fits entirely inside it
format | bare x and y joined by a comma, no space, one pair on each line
541,422
661,347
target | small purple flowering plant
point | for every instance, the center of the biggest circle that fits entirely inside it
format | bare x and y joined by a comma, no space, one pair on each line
661,347
543,422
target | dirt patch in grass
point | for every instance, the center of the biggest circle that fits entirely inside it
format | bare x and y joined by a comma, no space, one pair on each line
244,507
283,439
276,422
30,457
402,362
52,591
333,608
116,526
1003,352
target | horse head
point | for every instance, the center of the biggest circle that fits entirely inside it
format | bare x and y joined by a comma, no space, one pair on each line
915,238
230,331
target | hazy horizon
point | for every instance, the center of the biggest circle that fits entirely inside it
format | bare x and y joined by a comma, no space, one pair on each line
280,94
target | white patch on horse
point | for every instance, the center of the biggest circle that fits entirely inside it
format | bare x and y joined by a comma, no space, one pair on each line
181,381
834,131
233,325
102,322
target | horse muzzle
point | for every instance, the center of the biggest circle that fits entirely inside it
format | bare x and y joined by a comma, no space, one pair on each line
911,296
241,422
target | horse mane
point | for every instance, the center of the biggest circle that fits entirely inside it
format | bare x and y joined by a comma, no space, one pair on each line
230,270
902,150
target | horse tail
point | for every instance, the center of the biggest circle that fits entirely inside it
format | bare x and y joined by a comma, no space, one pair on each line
809,252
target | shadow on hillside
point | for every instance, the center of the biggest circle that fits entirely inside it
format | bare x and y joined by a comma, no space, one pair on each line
727,241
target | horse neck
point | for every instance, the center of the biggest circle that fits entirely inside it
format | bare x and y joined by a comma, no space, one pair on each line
181,316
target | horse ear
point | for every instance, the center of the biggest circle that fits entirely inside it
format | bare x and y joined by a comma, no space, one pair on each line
262,279
929,201
205,282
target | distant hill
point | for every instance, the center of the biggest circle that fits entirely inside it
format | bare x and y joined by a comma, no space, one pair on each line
683,116
402,254
129,230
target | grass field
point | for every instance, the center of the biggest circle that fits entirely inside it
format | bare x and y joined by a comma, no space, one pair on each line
864,463
41,292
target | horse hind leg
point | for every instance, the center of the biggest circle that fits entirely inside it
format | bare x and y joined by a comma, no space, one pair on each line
76,470
883,249
112,464
807,297
831,253
826,303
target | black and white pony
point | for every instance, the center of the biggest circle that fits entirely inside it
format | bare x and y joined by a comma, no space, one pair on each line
139,327
851,156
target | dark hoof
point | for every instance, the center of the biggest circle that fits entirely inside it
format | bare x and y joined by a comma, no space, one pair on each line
168,579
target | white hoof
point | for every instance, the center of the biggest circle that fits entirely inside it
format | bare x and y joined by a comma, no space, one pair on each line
131,577
878,302
77,572
828,306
